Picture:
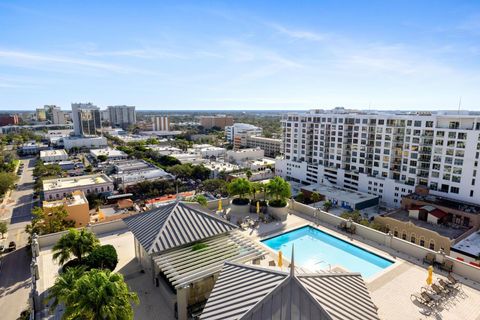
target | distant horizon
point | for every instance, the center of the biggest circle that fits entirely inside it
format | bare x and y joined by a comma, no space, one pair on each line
245,55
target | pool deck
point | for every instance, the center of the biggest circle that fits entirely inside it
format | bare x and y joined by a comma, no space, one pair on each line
390,289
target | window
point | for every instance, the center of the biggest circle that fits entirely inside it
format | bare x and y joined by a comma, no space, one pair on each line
422,242
432,245
412,238
404,236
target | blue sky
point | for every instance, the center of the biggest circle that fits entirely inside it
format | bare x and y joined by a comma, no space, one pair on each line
241,55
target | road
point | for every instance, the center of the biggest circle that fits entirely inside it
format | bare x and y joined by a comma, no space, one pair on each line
15,269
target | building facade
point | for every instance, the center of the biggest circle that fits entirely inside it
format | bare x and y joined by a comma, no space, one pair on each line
8,120
84,142
53,155
384,154
219,121
160,123
76,206
55,189
86,119
272,147
122,116
241,129
54,114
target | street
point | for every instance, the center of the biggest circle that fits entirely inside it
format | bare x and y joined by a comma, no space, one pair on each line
15,267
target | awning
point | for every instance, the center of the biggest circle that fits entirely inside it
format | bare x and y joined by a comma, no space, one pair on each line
184,265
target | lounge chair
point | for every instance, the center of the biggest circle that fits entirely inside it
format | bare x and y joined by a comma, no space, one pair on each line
424,299
440,290
433,296
454,282
447,265
448,285
429,259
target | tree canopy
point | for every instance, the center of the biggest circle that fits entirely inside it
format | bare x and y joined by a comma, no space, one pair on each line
45,223
240,187
74,243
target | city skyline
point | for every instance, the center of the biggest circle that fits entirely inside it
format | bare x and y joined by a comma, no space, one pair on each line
246,56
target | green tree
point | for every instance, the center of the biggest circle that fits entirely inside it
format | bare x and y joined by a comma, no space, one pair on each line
240,187
76,243
300,197
7,181
280,190
102,158
315,197
93,295
103,257
200,199
249,174
3,227
45,223
215,186
327,205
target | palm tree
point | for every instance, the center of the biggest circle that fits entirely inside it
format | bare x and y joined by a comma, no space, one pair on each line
255,187
240,187
279,188
62,290
248,173
76,243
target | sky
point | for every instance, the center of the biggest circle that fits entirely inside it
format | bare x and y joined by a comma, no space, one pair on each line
244,55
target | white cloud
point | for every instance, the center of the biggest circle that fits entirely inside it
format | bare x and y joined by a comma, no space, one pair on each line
298,34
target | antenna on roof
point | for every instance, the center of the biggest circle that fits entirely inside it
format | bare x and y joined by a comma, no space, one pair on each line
459,104
292,264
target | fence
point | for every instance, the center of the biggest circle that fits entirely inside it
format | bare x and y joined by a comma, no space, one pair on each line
459,267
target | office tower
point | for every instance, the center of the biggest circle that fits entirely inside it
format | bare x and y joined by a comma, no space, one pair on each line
122,116
54,114
86,119
241,129
219,121
41,116
161,123
384,154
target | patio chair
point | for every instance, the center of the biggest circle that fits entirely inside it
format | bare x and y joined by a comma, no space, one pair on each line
429,259
447,265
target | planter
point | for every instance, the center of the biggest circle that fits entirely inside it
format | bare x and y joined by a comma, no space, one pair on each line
240,209
279,213
253,209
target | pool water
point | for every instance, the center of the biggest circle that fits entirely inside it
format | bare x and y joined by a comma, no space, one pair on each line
316,250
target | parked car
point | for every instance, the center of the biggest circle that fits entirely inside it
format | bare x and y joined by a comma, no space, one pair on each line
12,246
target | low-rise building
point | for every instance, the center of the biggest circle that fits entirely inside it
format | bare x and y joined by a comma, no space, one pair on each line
165,150
54,136
238,129
76,205
109,153
468,249
217,121
217,167
55,189
130,172
193,158
31,148
84,142
208,151
53,155
272,147
238,156
258,164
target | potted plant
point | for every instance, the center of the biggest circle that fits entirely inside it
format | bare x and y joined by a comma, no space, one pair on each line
280,191
256,188
239,187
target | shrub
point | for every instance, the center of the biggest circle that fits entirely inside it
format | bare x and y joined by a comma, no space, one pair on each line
278,203
103,257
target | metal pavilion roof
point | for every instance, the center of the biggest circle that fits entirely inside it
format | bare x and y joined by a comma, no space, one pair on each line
175,225
184,266
250,292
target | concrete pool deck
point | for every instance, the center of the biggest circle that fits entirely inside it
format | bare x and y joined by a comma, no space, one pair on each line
390,289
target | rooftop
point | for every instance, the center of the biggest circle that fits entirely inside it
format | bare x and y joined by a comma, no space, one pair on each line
75,199
469,246
72,182
444,202
221,166
442,230
341,194
109,152
53,153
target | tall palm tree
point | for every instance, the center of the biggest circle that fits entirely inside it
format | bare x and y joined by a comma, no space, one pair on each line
76,243
63,289
240,187
279,188
102,295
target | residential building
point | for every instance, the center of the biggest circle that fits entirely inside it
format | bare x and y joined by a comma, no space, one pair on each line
54,189
109,153
238,129
272,147
86,119
217,121
161,123
384,154
238,156
84,142
164,246
76,205
8,120
122,116
53,155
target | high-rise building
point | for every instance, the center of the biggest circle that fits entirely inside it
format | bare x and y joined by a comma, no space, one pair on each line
54,114
239,131
219,121
7,120
161,123
384,154
121,116
41,115
86,119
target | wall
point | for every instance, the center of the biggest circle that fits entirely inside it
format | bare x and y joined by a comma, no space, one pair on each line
100,228
460,268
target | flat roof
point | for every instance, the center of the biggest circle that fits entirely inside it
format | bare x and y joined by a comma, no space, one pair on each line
52,153
451,233
72,182
107,152
470,245
444,202
340,194
73,200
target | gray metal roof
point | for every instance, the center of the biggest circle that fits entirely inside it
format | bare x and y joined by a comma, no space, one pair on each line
250,292
174,225
183,266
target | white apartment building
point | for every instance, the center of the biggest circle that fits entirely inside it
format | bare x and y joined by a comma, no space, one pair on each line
241,129
161,123
238,156
122,116
384,154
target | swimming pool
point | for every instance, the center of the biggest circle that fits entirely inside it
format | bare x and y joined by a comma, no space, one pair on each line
317,250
